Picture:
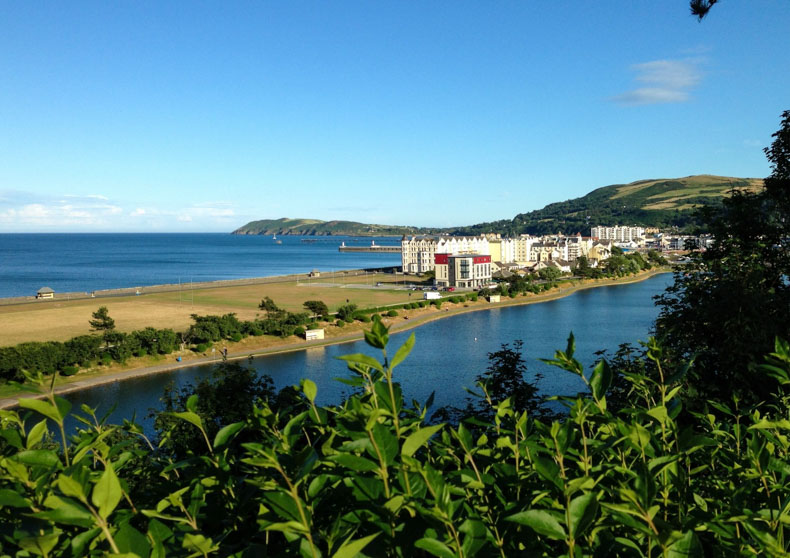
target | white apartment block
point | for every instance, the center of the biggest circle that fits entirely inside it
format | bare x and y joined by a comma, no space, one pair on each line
418,253
618,233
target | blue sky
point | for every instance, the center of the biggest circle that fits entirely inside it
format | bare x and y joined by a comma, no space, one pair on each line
202,116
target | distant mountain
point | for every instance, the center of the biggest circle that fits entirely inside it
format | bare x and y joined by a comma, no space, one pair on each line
314,227
655,203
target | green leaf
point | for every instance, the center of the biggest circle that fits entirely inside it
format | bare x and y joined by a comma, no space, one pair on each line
365,360
386,442
107,492
437,548
309,388
659,413
541,521
12,499
36,434
199,544
192,403
226,433
38,458
283,505
132,541
71,487
378,336
79,542
549,470
686,546
190,417
68,513
601,379
402,352
583,510
42,545
350,548
42,407
419,438
353,462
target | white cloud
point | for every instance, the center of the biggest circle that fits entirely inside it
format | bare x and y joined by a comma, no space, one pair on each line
27,211
667,81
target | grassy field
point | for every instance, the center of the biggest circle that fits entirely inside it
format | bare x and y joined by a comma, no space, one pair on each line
59,320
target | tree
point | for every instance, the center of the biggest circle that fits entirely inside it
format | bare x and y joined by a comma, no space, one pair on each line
346,311
229,395
504,378
318,308
101,320
727,307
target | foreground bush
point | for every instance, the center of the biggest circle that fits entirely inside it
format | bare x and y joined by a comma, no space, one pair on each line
373,477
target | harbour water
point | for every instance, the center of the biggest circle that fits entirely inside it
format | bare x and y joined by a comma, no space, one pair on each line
448,354
90,262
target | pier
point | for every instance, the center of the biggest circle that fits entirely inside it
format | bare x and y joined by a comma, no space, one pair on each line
372,248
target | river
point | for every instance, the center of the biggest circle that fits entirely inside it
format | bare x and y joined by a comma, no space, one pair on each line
448,353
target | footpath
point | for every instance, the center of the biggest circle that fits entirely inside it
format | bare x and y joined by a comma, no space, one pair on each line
402,324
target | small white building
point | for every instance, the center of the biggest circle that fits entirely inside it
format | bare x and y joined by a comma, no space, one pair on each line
313,334
45,292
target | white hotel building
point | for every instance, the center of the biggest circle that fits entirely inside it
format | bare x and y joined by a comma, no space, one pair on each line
418,253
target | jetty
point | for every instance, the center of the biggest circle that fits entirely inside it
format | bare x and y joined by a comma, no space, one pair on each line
372,248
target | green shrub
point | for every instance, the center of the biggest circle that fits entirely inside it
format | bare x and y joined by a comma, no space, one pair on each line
422,304
202,347
106,359
437,303
236,337
472,297
364,318
340,323
299,331
597,482
392,313
69,370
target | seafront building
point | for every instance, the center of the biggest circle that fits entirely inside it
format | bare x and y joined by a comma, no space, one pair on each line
418,253
618,233
463,270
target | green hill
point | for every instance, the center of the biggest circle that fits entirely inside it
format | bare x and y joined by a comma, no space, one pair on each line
663,203
651,203
315,227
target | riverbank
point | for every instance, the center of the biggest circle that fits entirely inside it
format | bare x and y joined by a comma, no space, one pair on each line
258,346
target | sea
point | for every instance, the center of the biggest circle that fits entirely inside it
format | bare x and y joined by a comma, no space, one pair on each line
92,262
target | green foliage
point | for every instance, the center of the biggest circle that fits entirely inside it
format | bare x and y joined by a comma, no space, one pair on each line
299,331
317,308
392,313
101,320
346,311
228,396
240,473
727,306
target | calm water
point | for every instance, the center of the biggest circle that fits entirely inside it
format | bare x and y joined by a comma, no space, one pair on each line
448,354
89,262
